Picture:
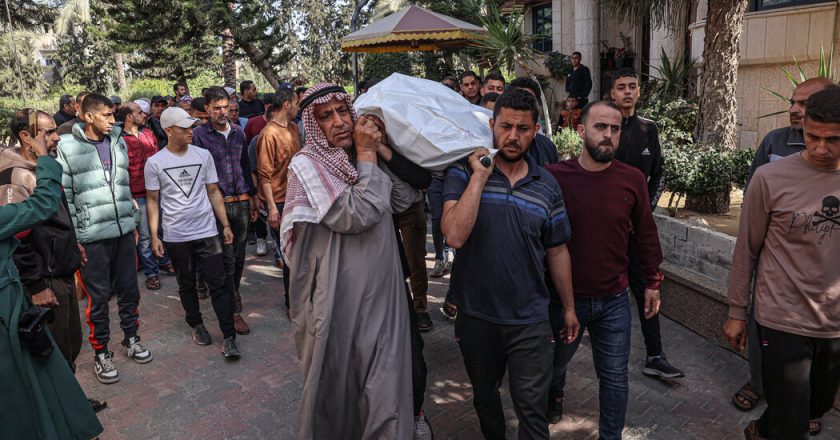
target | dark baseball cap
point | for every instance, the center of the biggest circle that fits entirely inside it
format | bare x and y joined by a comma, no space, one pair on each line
158,98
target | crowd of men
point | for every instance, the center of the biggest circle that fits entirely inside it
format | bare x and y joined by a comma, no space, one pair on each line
175,184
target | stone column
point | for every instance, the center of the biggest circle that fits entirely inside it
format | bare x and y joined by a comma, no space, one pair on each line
587,40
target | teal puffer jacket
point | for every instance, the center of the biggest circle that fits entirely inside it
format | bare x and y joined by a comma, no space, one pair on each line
99,210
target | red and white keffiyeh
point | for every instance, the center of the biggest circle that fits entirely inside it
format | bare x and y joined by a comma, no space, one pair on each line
318,174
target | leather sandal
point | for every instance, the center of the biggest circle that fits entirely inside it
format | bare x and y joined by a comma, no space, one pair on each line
153,283
746,398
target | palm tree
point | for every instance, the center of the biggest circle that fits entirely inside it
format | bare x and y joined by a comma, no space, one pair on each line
716,123
507,45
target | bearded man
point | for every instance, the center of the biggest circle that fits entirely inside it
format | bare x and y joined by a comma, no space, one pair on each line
607,200
347,292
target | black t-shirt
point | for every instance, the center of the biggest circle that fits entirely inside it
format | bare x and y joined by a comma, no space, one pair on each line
251,109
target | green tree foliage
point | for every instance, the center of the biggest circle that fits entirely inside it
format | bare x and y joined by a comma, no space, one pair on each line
379,66
324,24
28,14
31,73
163,37
85,56
178,39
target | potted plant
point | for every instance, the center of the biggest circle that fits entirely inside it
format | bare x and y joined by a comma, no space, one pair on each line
628,54
607,56
559,65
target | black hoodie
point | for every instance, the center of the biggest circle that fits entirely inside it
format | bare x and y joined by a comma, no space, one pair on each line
639,147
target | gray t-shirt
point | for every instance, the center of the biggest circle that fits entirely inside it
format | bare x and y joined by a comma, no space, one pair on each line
187,213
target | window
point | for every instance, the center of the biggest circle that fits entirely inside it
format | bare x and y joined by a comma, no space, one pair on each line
763,5
542,28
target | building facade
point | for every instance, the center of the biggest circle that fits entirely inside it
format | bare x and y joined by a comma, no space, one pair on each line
775,32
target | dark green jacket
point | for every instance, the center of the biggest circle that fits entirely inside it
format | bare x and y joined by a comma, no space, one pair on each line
39,398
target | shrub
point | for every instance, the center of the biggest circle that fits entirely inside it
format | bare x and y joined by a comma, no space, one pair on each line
568,143
741,162
676,120
698,170
379,66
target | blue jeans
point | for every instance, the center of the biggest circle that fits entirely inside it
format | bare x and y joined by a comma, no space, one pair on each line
608,322
144,247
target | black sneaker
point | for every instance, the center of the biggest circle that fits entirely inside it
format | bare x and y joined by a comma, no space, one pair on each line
424,322
229,348
201,336
555,409
659,367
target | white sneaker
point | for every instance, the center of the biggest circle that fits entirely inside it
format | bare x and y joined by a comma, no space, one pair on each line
104,368
422,429
440,267
449,257
261,247
137,352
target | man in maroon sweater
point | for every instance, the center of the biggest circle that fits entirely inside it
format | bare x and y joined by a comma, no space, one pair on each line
606,200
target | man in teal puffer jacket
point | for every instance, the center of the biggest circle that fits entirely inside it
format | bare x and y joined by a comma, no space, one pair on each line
96,184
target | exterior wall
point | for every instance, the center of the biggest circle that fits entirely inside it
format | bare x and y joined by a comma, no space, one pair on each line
770,39
580,25
694,248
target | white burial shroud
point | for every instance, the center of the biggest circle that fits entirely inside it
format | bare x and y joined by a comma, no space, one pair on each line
427,122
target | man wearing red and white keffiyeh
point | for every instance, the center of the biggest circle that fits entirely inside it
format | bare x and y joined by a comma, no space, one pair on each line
313,188
346,287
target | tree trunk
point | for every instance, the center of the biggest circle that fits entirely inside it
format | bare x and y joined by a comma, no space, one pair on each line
256,57
717,122
717,203
228,60
122,84
258,60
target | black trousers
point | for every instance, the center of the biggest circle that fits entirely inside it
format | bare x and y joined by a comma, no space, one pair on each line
650,327
111,264
526,352
238,214
801,376
66,329
185,257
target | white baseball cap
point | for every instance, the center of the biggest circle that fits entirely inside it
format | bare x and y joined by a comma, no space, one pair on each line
144,106
176,116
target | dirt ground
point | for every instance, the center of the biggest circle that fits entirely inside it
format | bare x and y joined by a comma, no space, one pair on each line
725,223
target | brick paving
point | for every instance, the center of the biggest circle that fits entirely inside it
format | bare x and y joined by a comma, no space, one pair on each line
191,392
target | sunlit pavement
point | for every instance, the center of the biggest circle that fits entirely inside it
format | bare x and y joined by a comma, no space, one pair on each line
191,392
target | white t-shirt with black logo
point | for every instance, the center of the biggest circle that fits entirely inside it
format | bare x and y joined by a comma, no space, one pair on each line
186,210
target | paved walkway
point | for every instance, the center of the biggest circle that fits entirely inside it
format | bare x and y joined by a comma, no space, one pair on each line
191,392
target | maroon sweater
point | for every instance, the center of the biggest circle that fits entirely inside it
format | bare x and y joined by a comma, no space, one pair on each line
604,208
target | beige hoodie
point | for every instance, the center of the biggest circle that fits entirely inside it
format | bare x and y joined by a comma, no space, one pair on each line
17,177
